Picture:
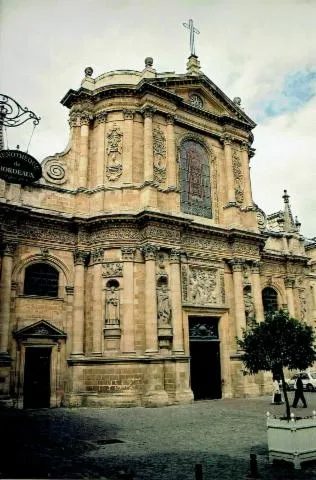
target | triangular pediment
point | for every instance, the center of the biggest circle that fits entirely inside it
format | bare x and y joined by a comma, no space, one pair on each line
40,329
213,99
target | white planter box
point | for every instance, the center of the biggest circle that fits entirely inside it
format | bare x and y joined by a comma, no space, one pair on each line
294,441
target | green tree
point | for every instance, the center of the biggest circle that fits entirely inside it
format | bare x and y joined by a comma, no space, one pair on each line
278,342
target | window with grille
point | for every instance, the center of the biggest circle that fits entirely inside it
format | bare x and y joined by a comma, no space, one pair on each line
269,299
41,279
195,179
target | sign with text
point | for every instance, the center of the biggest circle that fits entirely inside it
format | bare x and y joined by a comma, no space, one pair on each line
19,167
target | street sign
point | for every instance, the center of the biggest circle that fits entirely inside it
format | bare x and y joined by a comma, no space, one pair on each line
19,167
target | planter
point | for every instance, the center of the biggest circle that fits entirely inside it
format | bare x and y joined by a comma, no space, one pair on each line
293,441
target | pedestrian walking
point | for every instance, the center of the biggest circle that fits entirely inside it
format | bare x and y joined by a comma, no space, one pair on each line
276,395
299,393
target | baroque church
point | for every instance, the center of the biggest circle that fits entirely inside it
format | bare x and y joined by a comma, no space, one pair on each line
129,269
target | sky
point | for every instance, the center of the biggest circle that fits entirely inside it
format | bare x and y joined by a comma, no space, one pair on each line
261,51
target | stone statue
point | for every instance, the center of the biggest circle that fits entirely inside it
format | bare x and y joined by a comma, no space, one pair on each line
249,307
112,315
163,305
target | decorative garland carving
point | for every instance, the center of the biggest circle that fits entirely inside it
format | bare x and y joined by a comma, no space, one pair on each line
248,249
114,233
55,172
160,232
205,243
159,152
184,277
222,286
114,166
238,177
112,269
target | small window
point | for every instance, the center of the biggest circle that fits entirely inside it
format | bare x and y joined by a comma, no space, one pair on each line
41,279
269,300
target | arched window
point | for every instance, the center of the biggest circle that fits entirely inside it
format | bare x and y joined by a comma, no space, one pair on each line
269,299
41,279
195,179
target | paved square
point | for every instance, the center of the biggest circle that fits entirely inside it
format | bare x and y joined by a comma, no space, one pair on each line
156,443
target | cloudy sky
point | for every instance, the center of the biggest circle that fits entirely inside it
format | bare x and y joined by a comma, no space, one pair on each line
261,51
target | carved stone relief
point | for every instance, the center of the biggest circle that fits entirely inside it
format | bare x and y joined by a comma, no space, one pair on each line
238,177
112,269
157,231
159,152
202,284
249,305
163,305
114,153
55,171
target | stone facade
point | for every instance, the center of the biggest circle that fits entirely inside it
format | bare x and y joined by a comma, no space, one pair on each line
147,219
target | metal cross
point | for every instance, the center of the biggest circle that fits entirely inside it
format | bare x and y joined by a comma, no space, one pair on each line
193,30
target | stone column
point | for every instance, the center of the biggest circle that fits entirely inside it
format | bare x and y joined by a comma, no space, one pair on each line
128,335
100,156
80,257
176,301
128,145
5,297
97,257
230,186
171,152
151,332
239,305
289,285
84,150
246,172
257,291
148,144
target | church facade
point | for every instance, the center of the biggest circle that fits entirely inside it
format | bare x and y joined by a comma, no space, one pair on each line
130,268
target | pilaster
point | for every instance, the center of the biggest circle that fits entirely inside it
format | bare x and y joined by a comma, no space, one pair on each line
246,172
171,149
289,285
257,291
128,145
148,113
80,258
150,252
176,302
239,304
85,118
128,330
97,256
5,296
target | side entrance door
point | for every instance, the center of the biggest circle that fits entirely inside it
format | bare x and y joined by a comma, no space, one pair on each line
36,390
205,367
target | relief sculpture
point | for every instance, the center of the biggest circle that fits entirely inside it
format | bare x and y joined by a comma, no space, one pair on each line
114,153
159,151
202,285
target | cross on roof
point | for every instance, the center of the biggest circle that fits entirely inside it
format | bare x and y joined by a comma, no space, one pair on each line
193,30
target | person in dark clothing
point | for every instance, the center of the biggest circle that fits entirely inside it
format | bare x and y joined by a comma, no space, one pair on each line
299,393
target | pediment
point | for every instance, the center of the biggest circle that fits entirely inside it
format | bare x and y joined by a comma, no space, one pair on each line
214,100
41,329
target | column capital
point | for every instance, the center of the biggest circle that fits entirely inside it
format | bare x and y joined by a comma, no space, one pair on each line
100,118
289,282
73,119
175,255
80,257
171,119
128,254
236,264
149,251
227,139
85,117
148,112
255,266
244,146
128,114
97,255
9,248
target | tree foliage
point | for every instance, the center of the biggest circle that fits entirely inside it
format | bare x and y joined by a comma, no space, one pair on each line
279,341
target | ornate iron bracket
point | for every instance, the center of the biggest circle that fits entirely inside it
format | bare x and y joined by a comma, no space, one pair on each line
13,115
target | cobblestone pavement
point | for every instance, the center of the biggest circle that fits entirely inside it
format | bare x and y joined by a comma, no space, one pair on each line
156,443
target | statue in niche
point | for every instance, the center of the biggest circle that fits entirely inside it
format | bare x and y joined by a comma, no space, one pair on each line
249,307
112,314
163,305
